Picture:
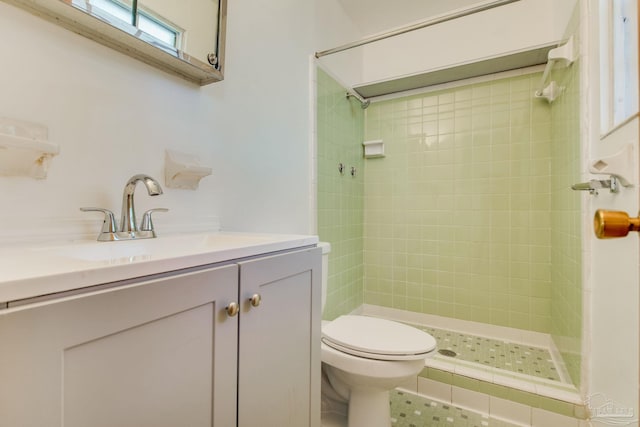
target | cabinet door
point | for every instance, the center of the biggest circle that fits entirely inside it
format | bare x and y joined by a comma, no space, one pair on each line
154,354
279,349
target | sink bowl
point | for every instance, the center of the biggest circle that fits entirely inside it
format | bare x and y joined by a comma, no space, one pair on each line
102,251
170,246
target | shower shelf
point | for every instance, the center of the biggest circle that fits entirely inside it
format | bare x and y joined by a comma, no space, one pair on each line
373,149
536,55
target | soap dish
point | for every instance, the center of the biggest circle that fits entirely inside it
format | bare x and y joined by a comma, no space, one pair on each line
373,149
182,170
25,149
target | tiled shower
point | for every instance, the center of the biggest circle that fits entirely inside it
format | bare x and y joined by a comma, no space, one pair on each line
468,216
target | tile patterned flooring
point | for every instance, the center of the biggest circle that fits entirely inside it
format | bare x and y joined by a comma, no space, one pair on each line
523,359
410,410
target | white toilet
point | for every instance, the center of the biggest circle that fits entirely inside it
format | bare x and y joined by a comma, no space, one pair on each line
363,358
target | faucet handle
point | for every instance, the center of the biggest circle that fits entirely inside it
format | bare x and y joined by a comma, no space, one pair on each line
109,223
147,223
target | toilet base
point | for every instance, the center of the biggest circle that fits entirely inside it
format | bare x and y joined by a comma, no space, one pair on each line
369,408
332,419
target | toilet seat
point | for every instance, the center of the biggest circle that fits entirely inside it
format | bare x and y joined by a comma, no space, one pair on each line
379,339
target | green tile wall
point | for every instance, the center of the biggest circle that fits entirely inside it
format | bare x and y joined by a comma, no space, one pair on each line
458,214
566,219
340,127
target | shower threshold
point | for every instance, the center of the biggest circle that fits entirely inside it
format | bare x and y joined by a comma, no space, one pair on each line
518,360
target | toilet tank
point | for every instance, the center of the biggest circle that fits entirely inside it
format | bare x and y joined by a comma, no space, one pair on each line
326,249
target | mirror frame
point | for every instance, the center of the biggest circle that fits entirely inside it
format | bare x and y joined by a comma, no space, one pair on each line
177,63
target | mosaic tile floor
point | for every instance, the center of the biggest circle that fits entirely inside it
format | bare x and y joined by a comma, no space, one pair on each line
524,359
409,410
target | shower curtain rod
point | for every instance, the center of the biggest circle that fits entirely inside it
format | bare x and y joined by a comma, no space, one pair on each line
424,24
364,103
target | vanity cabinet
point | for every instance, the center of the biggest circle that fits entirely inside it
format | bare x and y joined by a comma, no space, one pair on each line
164,351
279,357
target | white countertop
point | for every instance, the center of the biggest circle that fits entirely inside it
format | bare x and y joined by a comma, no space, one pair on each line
35,270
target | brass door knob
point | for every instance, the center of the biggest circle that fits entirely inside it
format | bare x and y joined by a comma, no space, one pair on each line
611,224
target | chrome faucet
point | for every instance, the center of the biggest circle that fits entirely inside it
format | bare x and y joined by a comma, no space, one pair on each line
128,227
128,219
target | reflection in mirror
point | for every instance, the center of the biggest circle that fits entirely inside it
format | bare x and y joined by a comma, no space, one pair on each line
191,32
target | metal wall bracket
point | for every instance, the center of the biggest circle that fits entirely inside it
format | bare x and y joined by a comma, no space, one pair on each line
594,185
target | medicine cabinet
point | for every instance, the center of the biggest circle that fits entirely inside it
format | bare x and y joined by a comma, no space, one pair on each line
182,38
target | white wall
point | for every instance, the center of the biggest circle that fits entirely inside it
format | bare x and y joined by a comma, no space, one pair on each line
508,28
114,117
346,67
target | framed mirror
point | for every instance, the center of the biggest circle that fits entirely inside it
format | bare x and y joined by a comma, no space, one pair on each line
184,38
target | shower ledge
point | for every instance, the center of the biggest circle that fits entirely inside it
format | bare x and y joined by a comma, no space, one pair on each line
528,57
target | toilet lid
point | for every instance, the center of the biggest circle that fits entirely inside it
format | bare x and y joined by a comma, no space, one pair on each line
377,338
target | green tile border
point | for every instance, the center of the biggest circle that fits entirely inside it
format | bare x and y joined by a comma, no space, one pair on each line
530,399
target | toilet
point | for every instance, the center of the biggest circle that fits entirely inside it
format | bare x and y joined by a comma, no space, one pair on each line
363,358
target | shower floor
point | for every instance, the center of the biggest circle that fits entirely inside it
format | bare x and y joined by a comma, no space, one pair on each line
514,357
491,358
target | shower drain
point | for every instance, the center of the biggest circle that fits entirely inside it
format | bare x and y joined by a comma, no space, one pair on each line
448,353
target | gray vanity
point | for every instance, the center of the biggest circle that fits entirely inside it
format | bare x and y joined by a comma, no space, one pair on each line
204,329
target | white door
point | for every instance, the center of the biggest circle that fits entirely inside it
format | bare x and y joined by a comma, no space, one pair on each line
613,278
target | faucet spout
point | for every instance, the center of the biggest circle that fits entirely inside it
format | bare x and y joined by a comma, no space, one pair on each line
128,220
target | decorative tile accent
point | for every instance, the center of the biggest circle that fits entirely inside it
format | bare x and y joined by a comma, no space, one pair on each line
523,359
525,375
409,410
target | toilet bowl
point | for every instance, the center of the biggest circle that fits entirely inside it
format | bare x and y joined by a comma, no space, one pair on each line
363,358
366,357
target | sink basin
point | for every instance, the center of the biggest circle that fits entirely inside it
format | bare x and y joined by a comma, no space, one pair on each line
131,250
171,246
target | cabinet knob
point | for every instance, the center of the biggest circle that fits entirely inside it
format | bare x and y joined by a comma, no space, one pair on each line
232,309
610,224
255,300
